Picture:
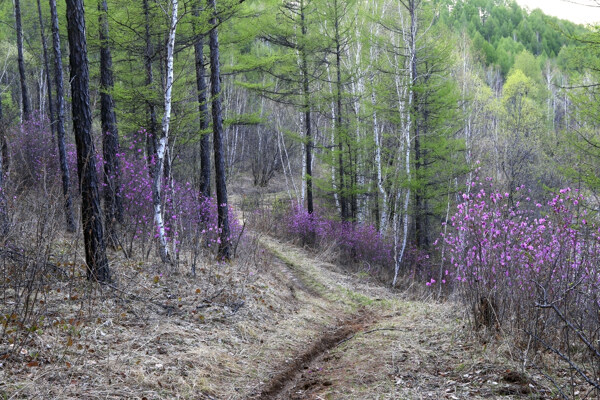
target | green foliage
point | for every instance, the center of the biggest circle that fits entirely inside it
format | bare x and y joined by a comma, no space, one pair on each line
501,29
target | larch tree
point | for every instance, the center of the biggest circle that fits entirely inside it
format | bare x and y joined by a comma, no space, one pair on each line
202,89
294,31
152,134
25,101
51,113
217,119
91,212
337,26
60,119
113,204
4,226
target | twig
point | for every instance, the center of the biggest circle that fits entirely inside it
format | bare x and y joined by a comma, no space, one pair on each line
565,358
238,239
564,396
566,321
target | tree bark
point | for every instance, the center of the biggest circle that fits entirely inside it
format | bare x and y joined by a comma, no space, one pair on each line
164,138
410,46
60,120
221,187
152,135
113,204
91,213
308,125
25,102
338,117
204,116
51,114
4,227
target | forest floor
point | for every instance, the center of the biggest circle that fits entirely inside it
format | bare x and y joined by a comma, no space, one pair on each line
279,322
283,324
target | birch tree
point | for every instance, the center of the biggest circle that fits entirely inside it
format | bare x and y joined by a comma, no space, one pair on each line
164,137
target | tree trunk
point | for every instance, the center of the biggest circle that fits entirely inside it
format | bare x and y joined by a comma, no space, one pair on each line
164,138
152,135
91,213
420,212
204,117
4,227
338,118
25,102
221,187
410,46
113,204
308,125
60,120
47,71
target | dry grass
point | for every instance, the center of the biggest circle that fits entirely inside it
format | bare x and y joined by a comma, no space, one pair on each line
164,335
230,331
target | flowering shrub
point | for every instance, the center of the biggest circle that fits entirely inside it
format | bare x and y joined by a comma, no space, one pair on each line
358,242
532,267
34,154
516,254
189,218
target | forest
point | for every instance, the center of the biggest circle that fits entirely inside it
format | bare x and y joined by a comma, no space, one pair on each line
265,199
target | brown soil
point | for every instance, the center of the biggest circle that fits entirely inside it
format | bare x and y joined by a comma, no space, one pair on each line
296,378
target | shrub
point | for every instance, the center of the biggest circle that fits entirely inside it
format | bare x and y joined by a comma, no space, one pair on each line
530,267
190,219
356,242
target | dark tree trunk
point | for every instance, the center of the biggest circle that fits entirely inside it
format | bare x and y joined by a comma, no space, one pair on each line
204,117
113,204
26,104
419,212
151,135
47,71
3,209
338,119
308,125
60,120
221,187
91,212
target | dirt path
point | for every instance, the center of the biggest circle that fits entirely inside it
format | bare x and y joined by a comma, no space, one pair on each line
296,378
381,347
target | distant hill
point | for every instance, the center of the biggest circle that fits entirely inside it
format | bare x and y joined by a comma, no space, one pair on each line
501,29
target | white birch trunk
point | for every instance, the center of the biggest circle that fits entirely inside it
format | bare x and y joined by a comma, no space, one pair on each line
333,147
410,44
163,142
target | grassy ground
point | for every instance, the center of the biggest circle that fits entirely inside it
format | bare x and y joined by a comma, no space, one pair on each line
278,323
